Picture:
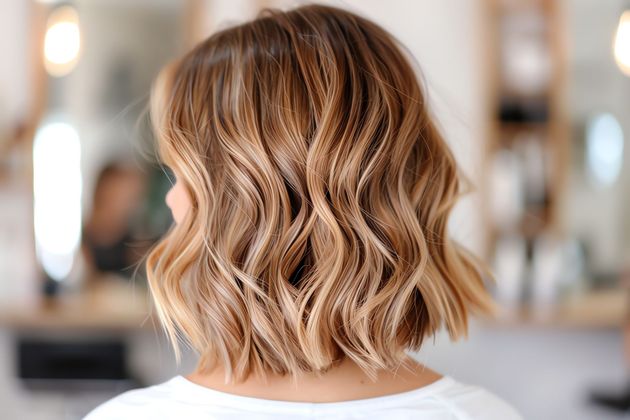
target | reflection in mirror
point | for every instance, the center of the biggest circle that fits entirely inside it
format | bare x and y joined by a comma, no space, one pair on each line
604,149
596,205
95,170
57,185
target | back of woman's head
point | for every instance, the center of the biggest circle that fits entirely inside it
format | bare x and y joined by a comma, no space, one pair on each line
320,192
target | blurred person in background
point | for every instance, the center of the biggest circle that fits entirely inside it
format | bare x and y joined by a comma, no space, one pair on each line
108,237
310,249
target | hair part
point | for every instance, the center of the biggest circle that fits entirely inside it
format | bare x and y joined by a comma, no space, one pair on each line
321,190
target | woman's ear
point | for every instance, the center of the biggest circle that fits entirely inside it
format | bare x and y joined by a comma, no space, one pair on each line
178,201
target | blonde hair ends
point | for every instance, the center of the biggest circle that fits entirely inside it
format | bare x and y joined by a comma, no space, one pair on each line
321,190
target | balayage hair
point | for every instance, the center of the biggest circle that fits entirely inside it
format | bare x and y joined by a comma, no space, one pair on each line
320,192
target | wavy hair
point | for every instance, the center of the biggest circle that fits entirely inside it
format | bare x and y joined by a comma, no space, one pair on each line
320,192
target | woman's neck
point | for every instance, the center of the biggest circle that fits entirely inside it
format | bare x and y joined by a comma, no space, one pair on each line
344,382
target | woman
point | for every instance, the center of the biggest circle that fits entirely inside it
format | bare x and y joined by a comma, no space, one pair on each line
310,250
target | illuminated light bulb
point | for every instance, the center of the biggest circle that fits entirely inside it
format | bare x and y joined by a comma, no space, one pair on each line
62,42
622,43
57,187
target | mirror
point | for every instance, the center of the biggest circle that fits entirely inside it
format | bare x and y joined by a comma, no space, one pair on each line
98,190
599,176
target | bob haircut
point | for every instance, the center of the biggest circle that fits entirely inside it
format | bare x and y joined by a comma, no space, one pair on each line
320,192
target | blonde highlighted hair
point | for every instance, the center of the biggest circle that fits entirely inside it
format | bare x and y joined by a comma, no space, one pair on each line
320,192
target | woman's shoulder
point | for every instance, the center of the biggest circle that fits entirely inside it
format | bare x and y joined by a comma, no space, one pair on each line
138,404
461,400
468,401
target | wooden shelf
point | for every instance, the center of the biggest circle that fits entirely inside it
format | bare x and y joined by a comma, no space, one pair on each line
594,309
109,304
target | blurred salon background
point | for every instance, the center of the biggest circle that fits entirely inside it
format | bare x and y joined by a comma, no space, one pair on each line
532,95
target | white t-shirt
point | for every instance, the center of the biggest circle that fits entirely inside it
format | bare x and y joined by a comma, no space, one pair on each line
179,398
